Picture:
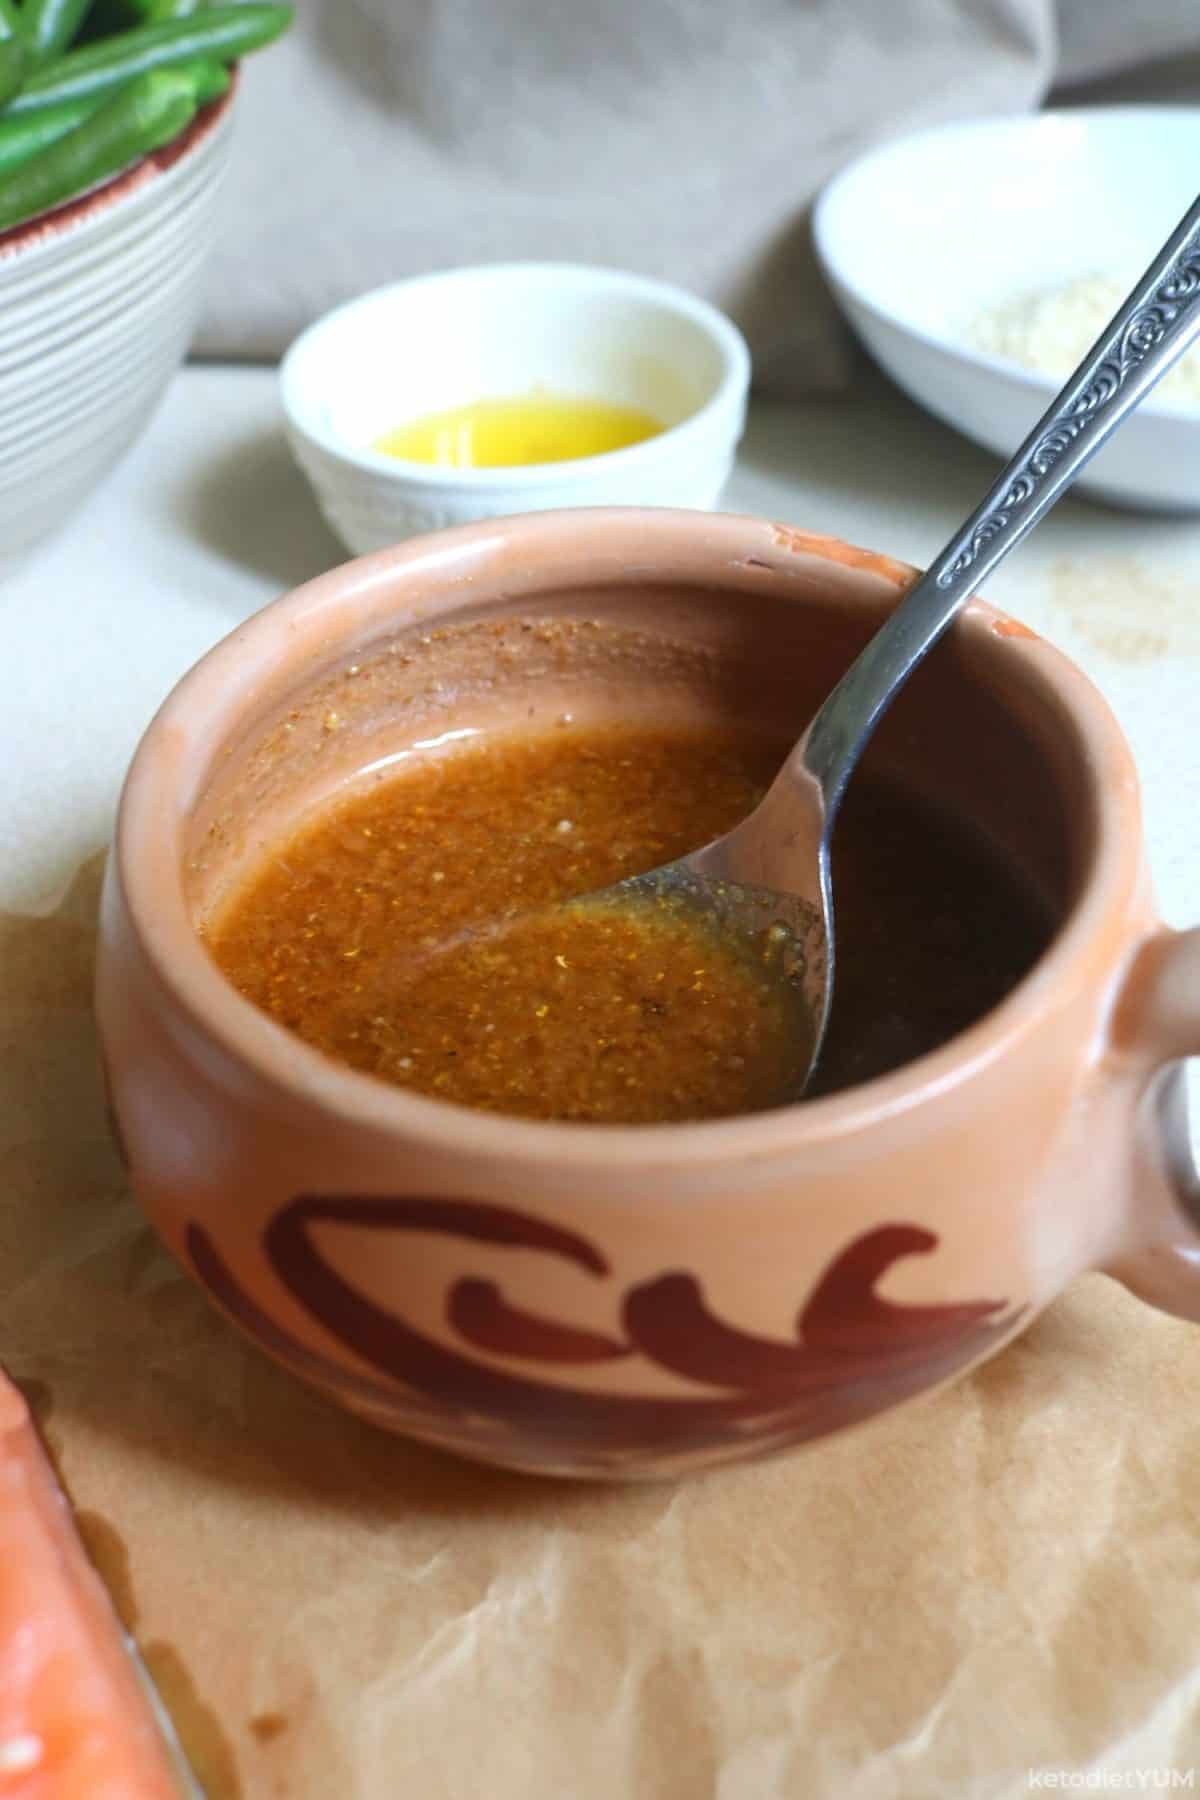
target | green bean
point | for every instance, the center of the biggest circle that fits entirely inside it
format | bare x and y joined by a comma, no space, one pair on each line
22,135
155,11
142,116
221,32
13,63
25,134
14,60
210,78
50,26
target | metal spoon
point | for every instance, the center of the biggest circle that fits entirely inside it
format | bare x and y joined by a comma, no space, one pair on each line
766,884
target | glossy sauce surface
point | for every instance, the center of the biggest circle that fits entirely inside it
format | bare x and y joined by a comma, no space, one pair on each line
372,933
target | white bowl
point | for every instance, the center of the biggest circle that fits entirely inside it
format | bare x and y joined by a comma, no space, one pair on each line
97,304
919,236
498,331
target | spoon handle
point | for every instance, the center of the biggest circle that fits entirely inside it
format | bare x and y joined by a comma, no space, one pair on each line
1153,328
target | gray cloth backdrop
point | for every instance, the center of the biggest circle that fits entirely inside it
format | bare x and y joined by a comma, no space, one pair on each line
681,138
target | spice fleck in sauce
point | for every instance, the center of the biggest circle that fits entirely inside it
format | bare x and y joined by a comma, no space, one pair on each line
538,428
372,933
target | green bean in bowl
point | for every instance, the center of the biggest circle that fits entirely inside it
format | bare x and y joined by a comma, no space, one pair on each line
75,113
13,62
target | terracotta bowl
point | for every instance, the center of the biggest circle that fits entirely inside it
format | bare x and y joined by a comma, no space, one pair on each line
98,300
610,1300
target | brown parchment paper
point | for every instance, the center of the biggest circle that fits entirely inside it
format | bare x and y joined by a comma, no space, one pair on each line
994,1585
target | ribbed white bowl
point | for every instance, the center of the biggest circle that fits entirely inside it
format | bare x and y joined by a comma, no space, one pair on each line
97,304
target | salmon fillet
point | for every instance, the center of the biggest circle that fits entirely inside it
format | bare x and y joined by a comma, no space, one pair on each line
74,1722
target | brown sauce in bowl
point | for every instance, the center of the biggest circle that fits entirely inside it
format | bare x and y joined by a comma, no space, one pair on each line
412,932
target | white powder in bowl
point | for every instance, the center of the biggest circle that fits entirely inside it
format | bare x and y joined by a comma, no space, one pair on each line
1051,329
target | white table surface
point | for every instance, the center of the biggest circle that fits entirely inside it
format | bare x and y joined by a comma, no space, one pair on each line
208,518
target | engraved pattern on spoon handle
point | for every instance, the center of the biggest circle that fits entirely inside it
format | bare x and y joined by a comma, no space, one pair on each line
1151,331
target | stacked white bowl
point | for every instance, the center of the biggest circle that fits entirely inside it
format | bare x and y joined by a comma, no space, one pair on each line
922,236
97,305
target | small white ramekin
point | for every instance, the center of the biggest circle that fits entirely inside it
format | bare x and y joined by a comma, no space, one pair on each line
500,330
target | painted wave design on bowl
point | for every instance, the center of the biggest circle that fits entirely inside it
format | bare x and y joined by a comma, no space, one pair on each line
853,1354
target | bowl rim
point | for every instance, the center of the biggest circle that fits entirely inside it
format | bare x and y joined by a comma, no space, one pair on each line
291,1078
1050,118
72,218
300,402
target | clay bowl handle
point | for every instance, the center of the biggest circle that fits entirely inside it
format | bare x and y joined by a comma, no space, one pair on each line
1157,1020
